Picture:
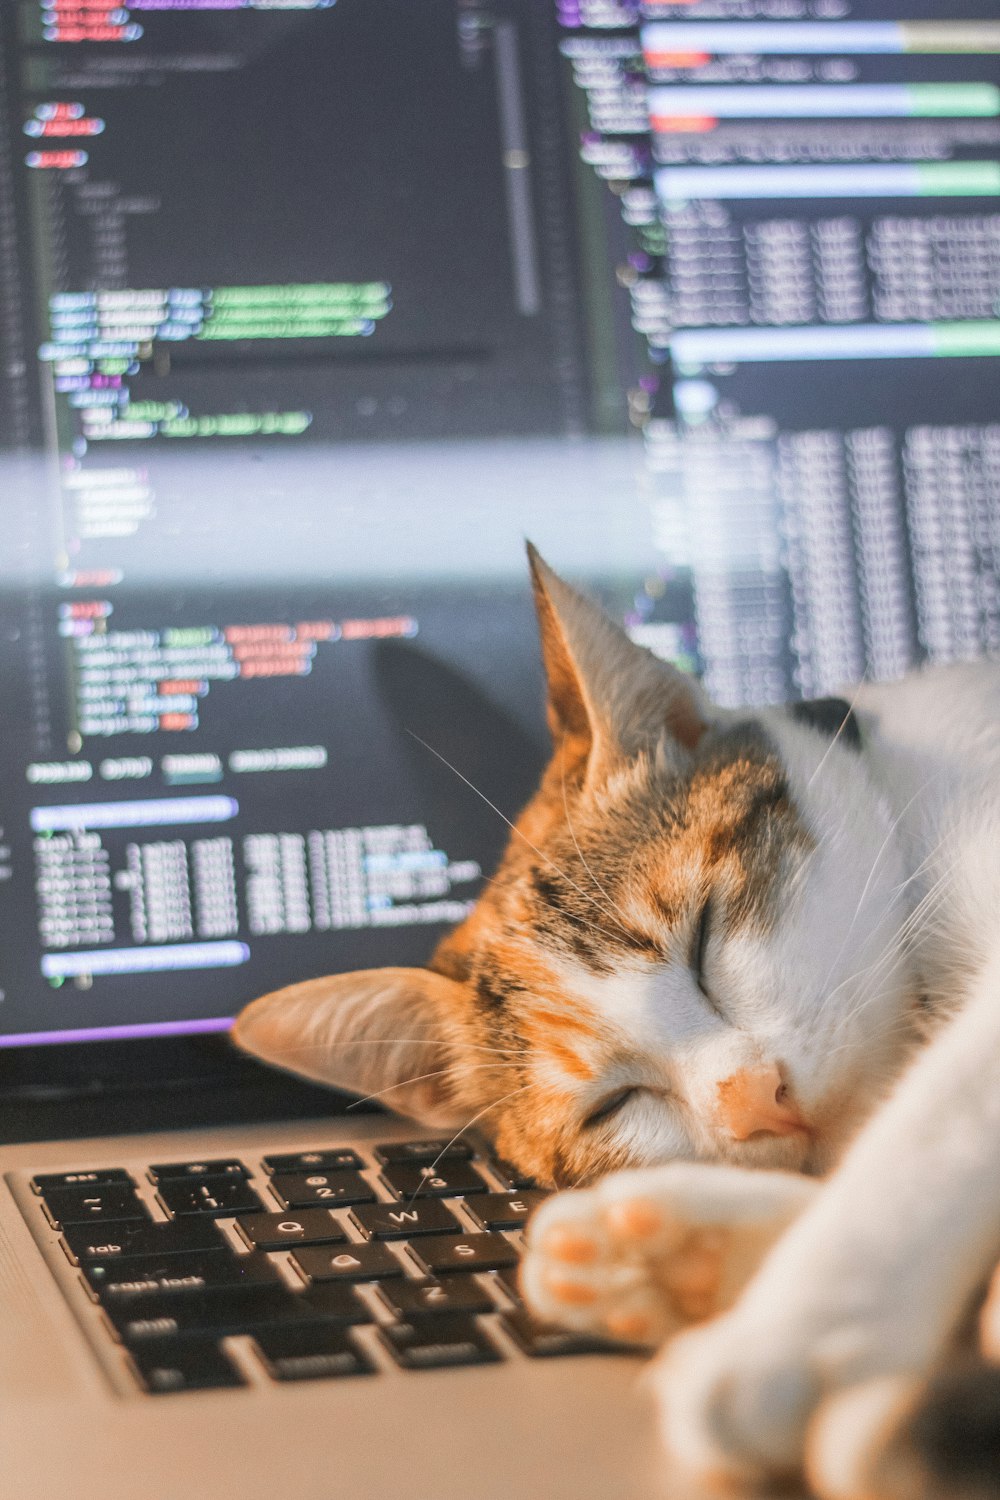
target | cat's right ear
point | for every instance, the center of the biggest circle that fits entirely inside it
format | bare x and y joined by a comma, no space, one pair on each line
385,1033
608,697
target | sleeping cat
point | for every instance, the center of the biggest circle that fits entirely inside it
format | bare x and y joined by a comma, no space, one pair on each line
746,963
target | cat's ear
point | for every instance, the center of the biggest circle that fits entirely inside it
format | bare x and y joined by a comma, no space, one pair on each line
610,696
384,1032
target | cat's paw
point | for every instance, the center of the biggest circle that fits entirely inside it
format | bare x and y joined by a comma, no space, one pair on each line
744,1400
735,1402
859,1443
647,1252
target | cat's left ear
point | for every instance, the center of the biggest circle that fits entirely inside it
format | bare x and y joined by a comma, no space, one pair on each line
608,696
389,1033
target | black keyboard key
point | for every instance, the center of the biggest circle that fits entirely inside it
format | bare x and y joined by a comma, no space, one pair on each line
226,1167
512,1177
105,1203
208,1196
542,1341
504,1210
83,1244
333,1302
310,1226
323,1159
310,1353
430,1343
473,1252
223,1311
424,1151
434,1296
321,1189
452,1179
94,1176
192,1364
508,1279
399,1221
115,1282
346,1263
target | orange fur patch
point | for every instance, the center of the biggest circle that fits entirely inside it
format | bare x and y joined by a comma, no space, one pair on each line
569,1245
635,1219
568,1059
575,1293
627,1325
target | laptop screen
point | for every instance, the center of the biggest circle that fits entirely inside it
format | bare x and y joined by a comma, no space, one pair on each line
310,312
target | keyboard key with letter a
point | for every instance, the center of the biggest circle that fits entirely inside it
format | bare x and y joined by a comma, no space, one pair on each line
346,1263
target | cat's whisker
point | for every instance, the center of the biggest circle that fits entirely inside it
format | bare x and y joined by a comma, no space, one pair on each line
829,749
516,831
390,1041
873,973
871,876
494,1104
893,1026
423,1077
923,865
576,845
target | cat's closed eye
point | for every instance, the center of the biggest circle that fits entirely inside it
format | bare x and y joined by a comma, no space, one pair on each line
699,949
610,1106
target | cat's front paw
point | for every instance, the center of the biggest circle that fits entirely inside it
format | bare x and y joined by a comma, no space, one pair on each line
735,1403
743,1400
645,1253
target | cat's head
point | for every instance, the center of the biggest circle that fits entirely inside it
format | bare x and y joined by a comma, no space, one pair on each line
689,948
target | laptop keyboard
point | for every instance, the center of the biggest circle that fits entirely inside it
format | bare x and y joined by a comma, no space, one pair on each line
322,1263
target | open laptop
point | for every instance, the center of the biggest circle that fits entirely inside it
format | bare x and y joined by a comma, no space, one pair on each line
309,313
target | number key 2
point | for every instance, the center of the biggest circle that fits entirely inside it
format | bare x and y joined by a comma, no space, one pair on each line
320,1189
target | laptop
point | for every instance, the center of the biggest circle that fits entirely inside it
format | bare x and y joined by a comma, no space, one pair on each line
309,313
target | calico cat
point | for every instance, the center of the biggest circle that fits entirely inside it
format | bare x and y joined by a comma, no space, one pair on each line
737,980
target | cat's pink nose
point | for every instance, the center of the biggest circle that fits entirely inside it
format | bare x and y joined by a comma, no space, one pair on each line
754,1101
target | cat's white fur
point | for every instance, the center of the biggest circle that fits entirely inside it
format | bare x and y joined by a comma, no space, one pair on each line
866,1287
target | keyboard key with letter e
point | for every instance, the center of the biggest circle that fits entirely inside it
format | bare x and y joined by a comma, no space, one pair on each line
504,1210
